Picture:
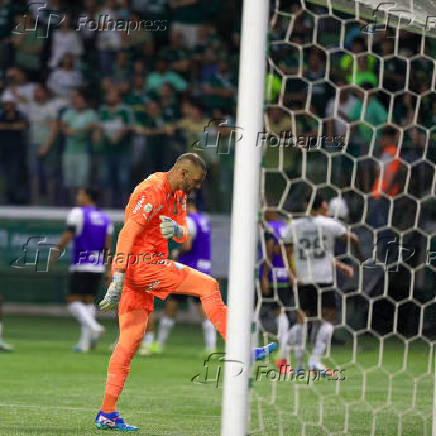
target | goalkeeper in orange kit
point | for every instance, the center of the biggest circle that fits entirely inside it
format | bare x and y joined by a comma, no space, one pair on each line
155,213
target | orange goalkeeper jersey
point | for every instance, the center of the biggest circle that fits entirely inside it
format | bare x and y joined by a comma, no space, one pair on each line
150,199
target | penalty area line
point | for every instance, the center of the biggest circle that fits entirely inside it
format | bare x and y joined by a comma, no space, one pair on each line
34,406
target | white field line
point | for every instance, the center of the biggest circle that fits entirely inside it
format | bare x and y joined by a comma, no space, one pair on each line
34,406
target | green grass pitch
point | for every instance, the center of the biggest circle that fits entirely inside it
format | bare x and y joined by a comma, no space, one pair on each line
47,390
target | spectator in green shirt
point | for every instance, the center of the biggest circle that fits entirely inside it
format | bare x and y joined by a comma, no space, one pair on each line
28,47
113,146
187,16
139,40
169,103
219,90
366,64
41,155
177,55
121,72
375,115
365,73
13,174
137,97
157,133
196,127
77,123
162,75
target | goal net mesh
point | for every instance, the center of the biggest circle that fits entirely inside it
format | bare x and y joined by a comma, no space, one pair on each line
349,114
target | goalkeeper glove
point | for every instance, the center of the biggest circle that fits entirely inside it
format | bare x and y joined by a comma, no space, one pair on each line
169,228
113,293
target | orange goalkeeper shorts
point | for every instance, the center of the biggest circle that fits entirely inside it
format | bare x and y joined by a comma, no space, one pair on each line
146,281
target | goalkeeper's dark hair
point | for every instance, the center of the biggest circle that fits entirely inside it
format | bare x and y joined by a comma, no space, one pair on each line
194,158
92,193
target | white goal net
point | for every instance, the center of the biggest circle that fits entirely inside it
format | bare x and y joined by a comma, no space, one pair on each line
350,114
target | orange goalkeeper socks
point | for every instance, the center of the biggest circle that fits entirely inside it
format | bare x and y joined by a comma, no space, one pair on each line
109,404
216,311
132,329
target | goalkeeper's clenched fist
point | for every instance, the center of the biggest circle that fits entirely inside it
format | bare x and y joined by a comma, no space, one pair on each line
113,293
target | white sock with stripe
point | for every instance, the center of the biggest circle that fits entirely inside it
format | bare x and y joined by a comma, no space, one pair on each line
81,312
209,333
282,334
148,339
322,340
165,325
295,340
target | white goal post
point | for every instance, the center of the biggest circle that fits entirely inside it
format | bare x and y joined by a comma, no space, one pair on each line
244,217
245,212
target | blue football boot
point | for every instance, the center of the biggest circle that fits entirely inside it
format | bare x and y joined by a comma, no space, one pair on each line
112,421
261,353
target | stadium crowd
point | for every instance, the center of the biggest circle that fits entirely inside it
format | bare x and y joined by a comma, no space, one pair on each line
86,104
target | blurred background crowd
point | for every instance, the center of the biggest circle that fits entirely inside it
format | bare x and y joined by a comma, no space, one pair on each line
97,106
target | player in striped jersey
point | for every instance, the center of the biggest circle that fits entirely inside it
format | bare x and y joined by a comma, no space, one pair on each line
310,241
91,231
